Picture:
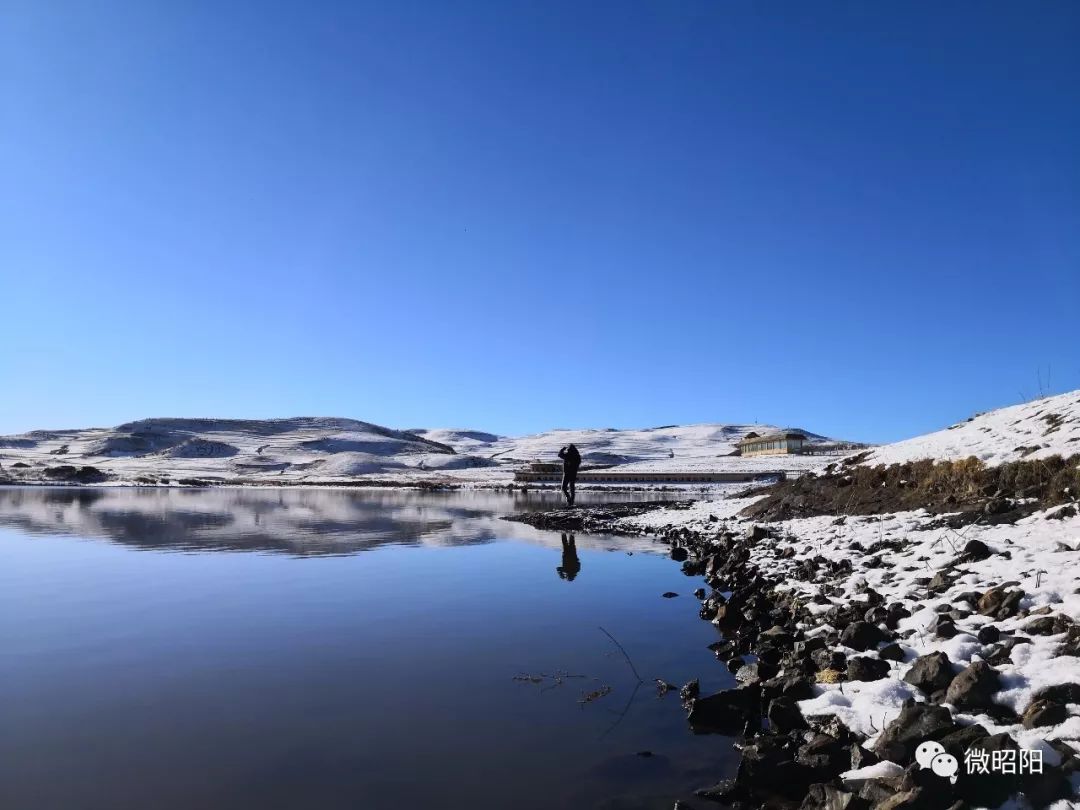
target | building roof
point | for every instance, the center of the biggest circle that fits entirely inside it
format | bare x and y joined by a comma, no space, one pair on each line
753,438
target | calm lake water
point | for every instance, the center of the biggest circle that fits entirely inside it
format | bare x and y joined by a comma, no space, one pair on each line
325,649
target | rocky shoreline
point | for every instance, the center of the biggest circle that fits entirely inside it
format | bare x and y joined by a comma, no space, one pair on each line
808,636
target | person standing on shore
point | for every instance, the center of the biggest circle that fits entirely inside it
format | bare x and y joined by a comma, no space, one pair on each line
571,462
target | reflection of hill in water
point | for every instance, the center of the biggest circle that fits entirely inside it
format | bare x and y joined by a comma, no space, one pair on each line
294,521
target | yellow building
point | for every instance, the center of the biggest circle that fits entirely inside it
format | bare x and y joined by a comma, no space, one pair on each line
771,444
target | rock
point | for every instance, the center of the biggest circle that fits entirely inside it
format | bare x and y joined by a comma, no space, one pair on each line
663,687
678,553
973,687
992,788
823,754
699,593
861,757
1000,603
1059,693
669,594
769,767
891,652
778,635
784,715
865,668
976,550
756,533
728,792
862,636
1044,713
1071,645
827,797
940,583
1043,789
931,673
988,634
943,627
1048,625
912,799
959,741
689,691
725,711
755,672
792,685
916,723
829,659
896,612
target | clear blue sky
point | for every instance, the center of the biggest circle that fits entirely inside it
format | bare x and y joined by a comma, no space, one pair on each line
859,218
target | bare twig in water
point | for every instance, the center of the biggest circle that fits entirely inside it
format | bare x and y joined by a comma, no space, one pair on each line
623,713
625,655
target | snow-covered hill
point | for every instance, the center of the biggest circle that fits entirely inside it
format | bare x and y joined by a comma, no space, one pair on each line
231,449
680,443
312,449
1044,427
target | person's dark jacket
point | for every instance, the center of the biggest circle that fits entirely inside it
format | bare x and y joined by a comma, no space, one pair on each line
571,458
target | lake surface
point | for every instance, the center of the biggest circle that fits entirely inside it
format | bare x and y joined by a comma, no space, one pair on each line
230,648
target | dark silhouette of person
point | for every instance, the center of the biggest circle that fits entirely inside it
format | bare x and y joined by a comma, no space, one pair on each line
571,461
570,562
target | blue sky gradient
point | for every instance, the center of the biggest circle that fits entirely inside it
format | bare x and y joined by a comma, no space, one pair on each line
859,218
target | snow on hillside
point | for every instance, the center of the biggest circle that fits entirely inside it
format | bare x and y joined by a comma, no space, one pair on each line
679,444
312,449
289,449
1034,430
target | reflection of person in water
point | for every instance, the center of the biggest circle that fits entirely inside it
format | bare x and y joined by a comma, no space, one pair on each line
571,460
570,562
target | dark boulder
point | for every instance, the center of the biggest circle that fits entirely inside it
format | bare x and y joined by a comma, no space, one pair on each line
829,659
1048,625
931,673
1059,693
1044,713
962,739
916,723
824,754
792,685
1000,603
865,668
988,634
974,687
755,672
689,691
725,711
943,627
768,767
778,636
784,715
940,582
993,787
827,797
891,652
976,551
863,636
